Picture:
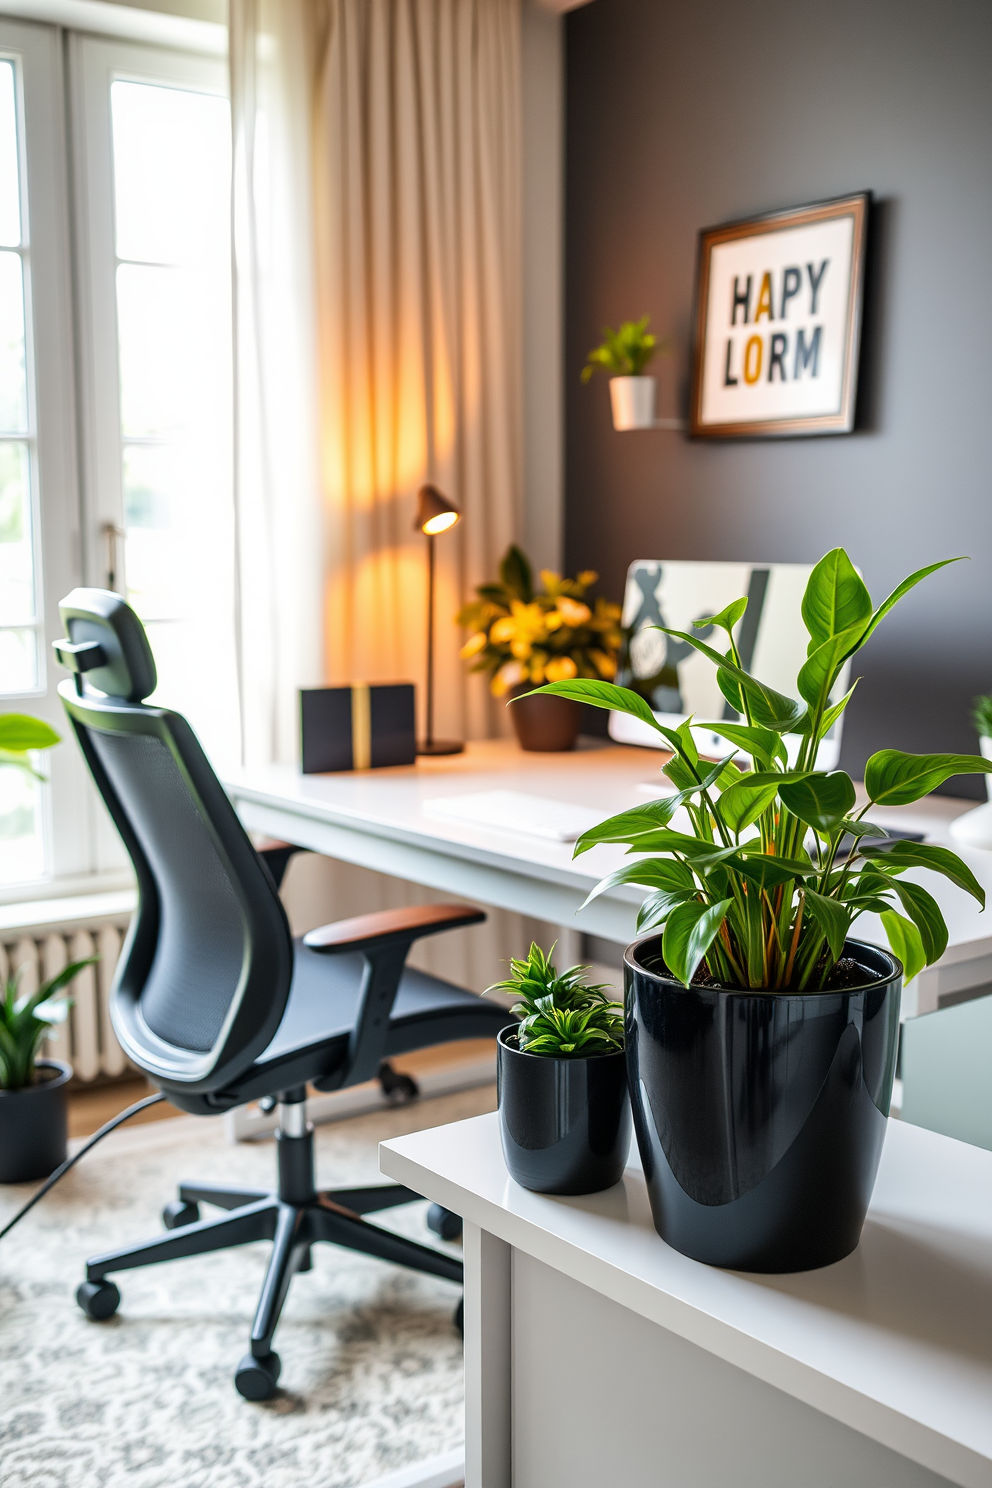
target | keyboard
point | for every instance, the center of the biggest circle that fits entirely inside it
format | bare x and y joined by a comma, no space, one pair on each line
516,812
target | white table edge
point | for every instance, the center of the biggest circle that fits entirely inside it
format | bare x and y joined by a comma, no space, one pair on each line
873,1418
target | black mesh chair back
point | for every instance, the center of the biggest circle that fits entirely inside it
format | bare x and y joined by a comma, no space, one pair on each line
204,976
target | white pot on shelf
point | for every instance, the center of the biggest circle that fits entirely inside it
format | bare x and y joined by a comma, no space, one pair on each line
633,401
974,828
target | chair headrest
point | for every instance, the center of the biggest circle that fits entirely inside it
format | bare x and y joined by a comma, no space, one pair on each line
105,640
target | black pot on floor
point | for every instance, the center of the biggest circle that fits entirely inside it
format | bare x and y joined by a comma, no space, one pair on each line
33,1125
564,1123
760,1117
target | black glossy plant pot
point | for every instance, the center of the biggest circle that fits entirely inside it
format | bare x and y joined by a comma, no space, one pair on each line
564,1123
33,1125
760,1117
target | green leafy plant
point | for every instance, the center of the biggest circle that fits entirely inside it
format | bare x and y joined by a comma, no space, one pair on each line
781,859
525,634
981,715
19,735
561,1015
25,1021
624,352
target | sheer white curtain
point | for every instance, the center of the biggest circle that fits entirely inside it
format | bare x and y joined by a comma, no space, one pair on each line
378,312
277,492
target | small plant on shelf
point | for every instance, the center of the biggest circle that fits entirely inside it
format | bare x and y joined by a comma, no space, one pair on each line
781,858
561,1014
523,634
981,715
625,352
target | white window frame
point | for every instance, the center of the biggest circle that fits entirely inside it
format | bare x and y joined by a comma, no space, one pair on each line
71,322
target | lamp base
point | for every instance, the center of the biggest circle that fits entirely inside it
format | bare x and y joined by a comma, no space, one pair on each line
440,746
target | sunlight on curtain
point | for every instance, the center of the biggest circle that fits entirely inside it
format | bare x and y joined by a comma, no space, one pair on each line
418,232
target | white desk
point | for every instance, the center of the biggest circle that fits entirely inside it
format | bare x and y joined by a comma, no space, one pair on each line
376,818
598,1356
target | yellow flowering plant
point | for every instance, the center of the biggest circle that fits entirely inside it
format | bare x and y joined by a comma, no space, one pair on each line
522,635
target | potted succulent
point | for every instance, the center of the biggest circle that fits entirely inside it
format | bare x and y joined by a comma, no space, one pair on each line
564,1116
974,828
624,354
32,1090
523,635
761,1036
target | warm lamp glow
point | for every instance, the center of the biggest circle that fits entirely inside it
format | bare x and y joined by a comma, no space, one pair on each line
435,513
440,523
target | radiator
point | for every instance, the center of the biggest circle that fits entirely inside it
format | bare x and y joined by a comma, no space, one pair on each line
86,1039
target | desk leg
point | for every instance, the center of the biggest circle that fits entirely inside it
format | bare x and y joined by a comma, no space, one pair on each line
487,1359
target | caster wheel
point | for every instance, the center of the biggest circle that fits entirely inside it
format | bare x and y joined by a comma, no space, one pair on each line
256,1379
98,1299
178,1213
444,1223
459,1317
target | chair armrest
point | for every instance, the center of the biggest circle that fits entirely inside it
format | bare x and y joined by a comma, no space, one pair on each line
390,927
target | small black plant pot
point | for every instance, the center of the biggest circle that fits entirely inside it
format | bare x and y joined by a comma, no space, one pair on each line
760,1117
33,1125
564,1123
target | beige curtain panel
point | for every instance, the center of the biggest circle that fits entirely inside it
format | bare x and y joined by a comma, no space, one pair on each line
417,200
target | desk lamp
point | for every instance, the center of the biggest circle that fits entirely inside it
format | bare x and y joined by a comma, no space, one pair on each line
435,513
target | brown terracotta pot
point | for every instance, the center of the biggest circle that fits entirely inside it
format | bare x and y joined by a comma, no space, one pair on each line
545,724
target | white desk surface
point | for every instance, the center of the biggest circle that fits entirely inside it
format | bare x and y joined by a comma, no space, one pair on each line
895,1341
376,818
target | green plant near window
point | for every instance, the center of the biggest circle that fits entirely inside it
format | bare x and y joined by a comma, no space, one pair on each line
25,1021
561,1015
19,735
781,859
624,352
981,715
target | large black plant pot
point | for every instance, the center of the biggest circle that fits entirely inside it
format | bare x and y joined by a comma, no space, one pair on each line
33,1125
564,1123
760,1117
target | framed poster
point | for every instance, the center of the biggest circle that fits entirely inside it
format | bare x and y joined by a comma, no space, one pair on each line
778,322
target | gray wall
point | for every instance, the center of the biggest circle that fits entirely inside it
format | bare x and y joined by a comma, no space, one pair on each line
686,113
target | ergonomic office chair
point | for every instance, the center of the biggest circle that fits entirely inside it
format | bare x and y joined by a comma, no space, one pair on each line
218,1004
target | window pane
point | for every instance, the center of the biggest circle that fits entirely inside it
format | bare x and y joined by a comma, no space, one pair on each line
17,599
172,188
18,662
22,854
10,206
172,150
13,382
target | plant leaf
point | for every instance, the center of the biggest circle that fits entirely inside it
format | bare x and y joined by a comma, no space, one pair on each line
896,856
515,574
763,745
608,695
924,911
658,906
904,941
902,589
744,801
727,618
649,873
832,920
689,933
629,824
19,733
893,778
835,600
821,801
822,668
769,709
768,871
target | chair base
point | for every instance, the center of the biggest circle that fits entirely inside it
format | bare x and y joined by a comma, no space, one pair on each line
294,1220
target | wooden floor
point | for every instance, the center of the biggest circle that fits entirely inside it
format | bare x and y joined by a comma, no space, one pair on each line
89,1109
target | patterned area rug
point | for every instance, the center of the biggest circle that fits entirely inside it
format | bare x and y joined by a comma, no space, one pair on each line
372,1365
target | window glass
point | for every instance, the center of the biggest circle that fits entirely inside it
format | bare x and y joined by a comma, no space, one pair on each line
22,846
172,168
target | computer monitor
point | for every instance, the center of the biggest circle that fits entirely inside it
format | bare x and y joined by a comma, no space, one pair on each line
678,681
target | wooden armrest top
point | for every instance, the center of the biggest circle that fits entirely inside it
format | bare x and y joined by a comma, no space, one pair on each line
390,924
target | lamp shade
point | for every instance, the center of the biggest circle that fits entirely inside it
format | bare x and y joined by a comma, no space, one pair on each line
435,513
